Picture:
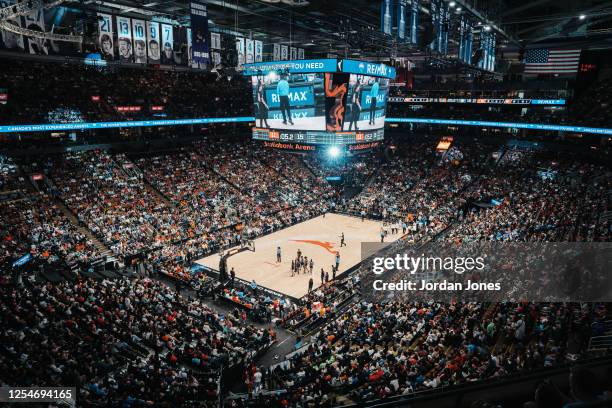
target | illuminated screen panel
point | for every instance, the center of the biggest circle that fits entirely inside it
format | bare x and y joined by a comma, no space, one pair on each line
318,137
319,108
366,103
289,101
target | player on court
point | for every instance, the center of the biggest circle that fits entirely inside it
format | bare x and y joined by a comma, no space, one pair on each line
342,243
278,254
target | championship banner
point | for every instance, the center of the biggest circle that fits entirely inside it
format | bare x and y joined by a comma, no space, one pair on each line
300,53
10,40
153,42
105,36
414,21
190,62
167,35
199,35
36,21
258,51
215,41
240,51
250,51
401,19
293,53
140,41
284,52
386,17
124,34
276,55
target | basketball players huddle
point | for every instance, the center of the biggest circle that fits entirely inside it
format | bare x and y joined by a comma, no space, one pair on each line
301,263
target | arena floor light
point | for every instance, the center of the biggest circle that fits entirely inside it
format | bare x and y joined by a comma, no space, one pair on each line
333,152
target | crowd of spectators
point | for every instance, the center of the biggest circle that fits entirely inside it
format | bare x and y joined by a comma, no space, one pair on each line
119,342
97,92
32,223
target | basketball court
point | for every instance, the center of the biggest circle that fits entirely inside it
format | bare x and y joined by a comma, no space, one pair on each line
317,238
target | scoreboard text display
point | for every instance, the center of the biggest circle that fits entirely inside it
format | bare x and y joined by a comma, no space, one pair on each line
319,102
318,138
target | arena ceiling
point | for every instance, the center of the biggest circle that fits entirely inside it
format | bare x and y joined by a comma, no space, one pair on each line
351,28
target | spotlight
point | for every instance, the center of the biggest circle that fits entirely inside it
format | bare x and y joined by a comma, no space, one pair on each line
452,4
582,17
487,28
333,152
458,9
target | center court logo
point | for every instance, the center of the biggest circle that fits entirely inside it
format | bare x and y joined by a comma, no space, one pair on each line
328,246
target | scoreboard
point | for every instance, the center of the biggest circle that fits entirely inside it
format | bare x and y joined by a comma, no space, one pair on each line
318,137
325,102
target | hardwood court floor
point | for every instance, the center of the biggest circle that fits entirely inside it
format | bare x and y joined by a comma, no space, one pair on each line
318,238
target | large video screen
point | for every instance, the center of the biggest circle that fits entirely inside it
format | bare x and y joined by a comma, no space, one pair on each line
332,102
366,103
289,101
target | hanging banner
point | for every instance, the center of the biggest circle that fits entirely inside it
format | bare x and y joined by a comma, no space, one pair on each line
35,21
292,53
258,51
386,17
167,32
216,58
139,33
276,55
190,62
300,53
402,6
284,53
250,51
215,41
414,21
153,42
124,34
105,36
199,35
240,51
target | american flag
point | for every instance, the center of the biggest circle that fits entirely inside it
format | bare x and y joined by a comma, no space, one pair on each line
549,61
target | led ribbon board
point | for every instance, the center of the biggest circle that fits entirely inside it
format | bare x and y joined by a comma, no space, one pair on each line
51,127
486,101
372,69
55,127
517,125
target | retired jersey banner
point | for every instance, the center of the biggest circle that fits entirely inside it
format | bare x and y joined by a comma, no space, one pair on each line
140,41
105,36
258,51
167,35
284,52
215,41
199,35
276,55
216,58
35,21
153,42
249,51
293,53
240,51
300,53
124,34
